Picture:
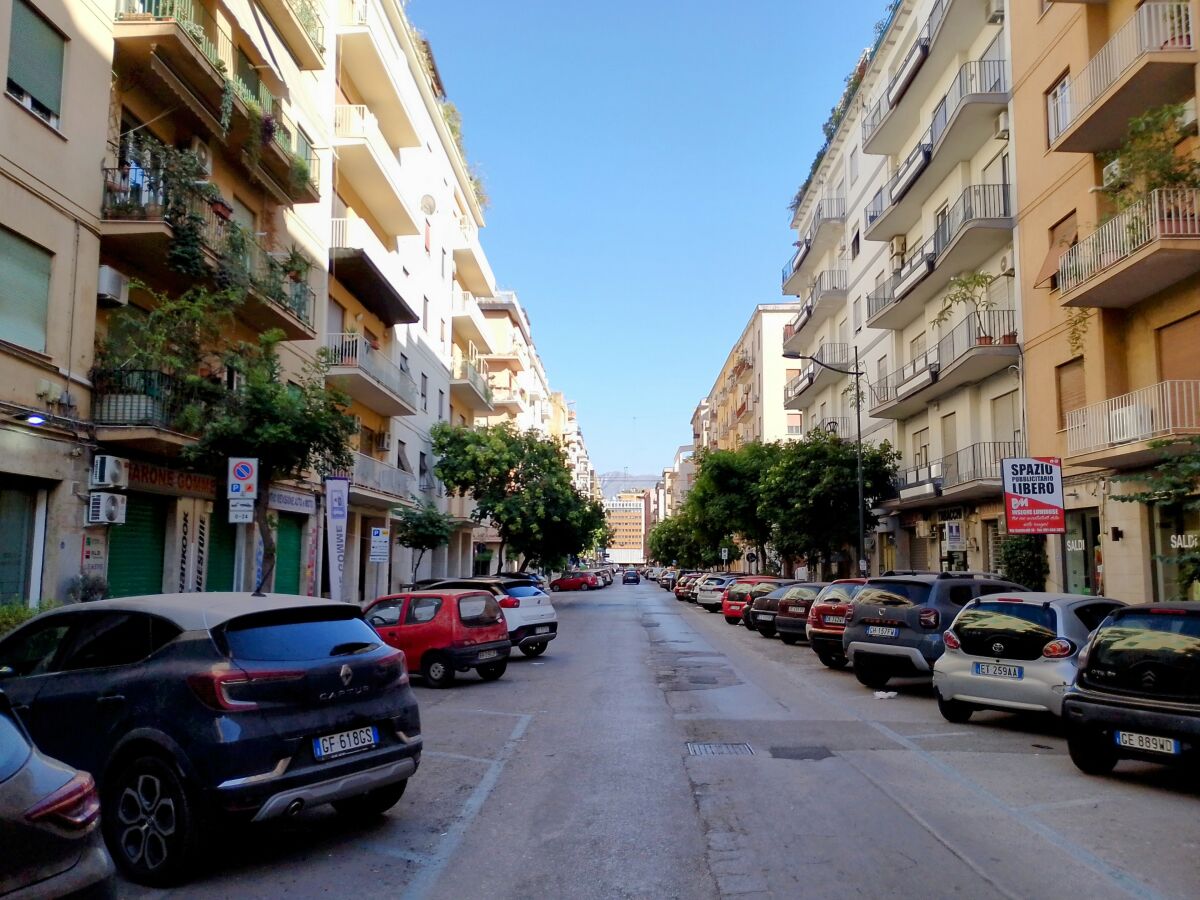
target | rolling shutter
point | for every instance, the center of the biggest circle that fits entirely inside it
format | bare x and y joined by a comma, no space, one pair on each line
35,61
918,552
1177,354
136,549
1072,392
287,554
221,538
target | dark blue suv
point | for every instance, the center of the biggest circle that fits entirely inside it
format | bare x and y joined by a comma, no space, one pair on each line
192,708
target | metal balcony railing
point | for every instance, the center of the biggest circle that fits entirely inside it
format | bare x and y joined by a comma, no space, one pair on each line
827,282
1155,27
308,14
795,259
978,462
376,475
1167,212
357,122
193,19
353,351
842,426
137,397
1166,408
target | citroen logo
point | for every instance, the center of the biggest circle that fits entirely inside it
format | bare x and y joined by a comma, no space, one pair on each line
1148,679
997,647
347,675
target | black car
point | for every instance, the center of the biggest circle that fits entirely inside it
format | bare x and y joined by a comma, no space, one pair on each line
199,708
631,577
1137,695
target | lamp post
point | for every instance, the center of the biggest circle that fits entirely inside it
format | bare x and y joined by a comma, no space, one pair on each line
858,398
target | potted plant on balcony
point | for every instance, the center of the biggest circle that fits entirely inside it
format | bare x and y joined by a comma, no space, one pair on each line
299,174
970,289
296,264
221,207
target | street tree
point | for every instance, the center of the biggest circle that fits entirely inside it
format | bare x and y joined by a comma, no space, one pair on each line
422,528
724,499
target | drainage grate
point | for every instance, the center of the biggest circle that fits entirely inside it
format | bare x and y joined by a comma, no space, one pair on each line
801,752
709,749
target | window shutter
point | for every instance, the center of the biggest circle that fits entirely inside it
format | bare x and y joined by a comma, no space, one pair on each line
24,291
1062,237
1072,394
36,57
1177,345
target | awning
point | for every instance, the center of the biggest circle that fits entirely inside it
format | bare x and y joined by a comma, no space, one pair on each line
1063,237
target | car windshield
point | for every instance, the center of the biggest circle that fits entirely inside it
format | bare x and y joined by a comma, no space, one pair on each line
292,635
894,593
839,593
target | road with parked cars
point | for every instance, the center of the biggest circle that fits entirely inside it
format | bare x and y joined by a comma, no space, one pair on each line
659,748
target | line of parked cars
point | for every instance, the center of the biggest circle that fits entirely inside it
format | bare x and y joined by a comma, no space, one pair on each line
1124,678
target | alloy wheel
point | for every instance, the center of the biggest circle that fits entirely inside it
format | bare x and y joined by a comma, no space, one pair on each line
147,818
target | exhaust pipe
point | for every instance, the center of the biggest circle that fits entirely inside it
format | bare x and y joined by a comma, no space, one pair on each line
293,808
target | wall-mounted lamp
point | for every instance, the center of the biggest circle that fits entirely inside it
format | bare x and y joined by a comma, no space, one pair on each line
1116,533
34,419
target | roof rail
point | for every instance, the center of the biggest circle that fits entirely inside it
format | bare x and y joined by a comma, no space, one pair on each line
908,572
969,575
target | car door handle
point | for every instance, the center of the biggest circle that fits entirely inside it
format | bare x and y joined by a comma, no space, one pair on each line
110,700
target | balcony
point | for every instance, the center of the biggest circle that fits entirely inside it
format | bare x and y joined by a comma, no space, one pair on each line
470,263
370,53
469,387
818,376
1137,253
359,261
1148,62
972,473
823,232
963,121
950,29
840,426
467,321
826,297
300,25
367,161
140,410
369,376
978,226
377,484
979,346
1118,431
508,396
512,355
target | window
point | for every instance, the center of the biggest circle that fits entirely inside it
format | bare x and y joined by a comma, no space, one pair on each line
35,63
1058,108
114,639
404,362
881,369
422,610
428,236
24,291
402,457
293,635
855,245
920,447
386,612
852,166
441,406
31,650
425,393
1072,392
916,347
1063,236
857,312
425,314
442,336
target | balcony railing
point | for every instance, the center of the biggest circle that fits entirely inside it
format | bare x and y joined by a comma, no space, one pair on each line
1154,27
827,282
842,426
907,70
1166,408
1165,213
978,462
376,475
138,397
308,14
193,19
464,370
353,351
796,258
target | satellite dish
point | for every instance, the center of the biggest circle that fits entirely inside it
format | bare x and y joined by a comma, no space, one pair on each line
428,205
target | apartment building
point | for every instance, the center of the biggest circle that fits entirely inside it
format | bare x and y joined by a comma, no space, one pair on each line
1111,294
677,480
743,402
628,515
934,110
702,437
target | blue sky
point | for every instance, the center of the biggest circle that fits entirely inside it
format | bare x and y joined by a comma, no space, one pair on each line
640,157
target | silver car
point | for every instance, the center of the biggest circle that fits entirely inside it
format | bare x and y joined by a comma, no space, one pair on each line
1015,651
710,589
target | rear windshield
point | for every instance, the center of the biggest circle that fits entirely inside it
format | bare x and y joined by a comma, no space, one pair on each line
839,593
800,592
1156,654
525,590
478,609
1020,617
14,749
299,634
894,593
739,591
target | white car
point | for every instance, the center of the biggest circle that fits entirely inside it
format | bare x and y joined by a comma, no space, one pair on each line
532,621
710,589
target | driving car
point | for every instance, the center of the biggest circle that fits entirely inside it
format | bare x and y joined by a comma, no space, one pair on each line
1137,695
827,620
444,631
528,610
742,591
239,707
1015,652
710,591
894,626
49,821
785,611
630,577
575,581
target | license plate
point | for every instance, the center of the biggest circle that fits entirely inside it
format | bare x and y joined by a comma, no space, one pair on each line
882,631
543,630
488,654
997,670
344,742
1147,742
764,617
835,620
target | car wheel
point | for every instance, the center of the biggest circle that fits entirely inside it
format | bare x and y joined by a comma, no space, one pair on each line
151,824
789,639
750,624
373,803
492,671
555,588
832,660
767,631
1090,752
583,587
734,620
954,710
437,671
871,675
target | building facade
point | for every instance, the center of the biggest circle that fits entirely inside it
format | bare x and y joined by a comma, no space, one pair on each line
628,516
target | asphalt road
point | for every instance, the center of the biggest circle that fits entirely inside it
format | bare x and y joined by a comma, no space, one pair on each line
571,777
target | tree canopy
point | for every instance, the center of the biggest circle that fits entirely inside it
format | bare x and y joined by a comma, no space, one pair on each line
422,528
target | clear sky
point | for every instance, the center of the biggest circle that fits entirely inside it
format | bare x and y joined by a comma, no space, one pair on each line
640,157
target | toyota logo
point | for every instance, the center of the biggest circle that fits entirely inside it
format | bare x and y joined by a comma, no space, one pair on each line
347,675
997,647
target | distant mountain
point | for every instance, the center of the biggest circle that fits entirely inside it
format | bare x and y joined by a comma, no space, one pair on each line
612,483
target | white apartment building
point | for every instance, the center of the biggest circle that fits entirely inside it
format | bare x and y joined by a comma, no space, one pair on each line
677,481
913,191
702,426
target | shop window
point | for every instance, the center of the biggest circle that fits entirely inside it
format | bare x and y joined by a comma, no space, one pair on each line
35,63
24,291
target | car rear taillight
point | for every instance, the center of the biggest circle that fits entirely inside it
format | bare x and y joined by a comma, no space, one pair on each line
1058,649
393,661
849,614
929,618
507,602
216,688
951,640
724,596
74,806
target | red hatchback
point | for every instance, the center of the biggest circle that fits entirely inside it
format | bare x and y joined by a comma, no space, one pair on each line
444,632
575,581
741,592
827,620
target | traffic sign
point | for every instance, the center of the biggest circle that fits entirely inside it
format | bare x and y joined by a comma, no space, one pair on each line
243,477
724,554
379,545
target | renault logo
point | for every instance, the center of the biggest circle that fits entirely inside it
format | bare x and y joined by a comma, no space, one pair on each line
347,675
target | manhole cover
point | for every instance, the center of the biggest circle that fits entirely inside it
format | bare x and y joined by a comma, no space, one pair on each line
710,749
801,752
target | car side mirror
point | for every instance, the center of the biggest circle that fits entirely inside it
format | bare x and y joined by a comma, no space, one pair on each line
6,672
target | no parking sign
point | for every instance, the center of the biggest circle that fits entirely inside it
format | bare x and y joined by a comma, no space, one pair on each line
243,478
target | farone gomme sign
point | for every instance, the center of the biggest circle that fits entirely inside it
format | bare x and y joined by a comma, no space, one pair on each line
1033,495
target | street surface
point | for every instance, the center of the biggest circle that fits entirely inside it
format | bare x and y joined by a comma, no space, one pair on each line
571,777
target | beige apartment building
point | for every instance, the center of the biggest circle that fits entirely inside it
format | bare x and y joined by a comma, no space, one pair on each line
628,516
1129,275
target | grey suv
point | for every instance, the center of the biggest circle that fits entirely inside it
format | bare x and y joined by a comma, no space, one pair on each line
894,627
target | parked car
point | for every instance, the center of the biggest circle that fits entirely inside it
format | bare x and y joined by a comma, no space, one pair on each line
631,577
827,620
1138,691
575,581
667,579
528,610
444,631
684,584
712,590
603,576
740,594
785,611
1015,652
237,707
49,821
748,619
894,627
693,588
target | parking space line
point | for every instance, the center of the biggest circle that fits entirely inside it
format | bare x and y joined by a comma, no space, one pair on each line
440,754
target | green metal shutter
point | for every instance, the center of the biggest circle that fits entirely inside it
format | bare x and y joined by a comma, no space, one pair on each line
35,61
24,291
136,549
221,539
287,554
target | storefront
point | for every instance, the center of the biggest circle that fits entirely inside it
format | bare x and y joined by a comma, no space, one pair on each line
296,540
1176,544
1083,562
952,539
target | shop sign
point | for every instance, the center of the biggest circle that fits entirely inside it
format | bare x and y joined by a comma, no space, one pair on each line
154,479
955,543
1033,495
285,500
1190,541
92,562
337,502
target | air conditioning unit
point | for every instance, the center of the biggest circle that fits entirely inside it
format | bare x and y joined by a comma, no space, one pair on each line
1001,132
383,440
106,509
112,287
995,11
1111,173
1134,422
899,247
1006,266
204,154
110,472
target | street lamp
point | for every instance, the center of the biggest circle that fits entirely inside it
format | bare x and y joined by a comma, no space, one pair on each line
858,398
